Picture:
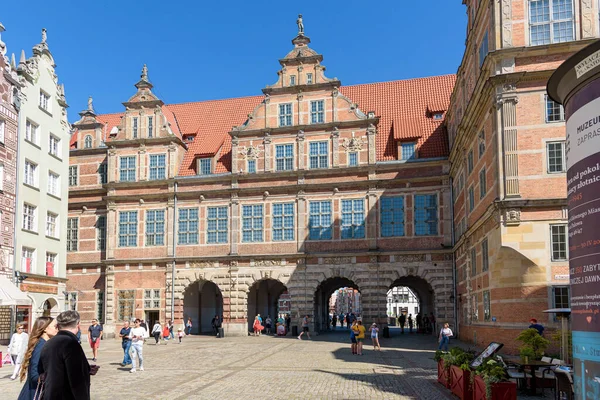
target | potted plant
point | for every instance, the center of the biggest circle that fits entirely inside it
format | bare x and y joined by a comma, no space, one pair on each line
491,382
456,362
442,371
533,346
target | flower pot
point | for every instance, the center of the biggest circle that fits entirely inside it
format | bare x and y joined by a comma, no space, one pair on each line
500,390
460,383
443,374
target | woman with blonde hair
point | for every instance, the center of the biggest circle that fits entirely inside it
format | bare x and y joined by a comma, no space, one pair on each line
16,349
44,328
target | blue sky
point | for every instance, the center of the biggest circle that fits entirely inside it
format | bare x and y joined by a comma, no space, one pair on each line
198,50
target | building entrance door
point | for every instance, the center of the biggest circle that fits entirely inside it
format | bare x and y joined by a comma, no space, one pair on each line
151,318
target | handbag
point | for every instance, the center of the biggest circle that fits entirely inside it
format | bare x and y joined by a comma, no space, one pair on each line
39,391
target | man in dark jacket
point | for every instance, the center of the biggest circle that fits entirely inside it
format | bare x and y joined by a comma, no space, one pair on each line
64,363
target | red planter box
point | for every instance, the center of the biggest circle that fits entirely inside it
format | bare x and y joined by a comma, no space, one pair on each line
443,374
460,383
500,390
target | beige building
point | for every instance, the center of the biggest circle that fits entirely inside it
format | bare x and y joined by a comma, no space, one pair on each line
42,191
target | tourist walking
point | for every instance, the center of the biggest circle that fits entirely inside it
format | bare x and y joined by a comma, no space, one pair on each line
288,322
218,324
353,341
305,327
171,329
360,336
256,326
375,336
180,334
166,334
419,322
410,323
268,324
137,340
43,329
445,335
402,321
188,326
67,371
94,336
214,323
432,320
156,332
538,327
17,349
334,321
125,343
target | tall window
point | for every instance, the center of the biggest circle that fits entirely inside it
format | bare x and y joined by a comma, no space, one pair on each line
481,143
283,221
101,232
353,159
152,298
471,199
470,162
103,173
285,114
251,166
319,155
408,151
473,261
320,220
127,169
392,216
317,112
252,223
155,227
554,111
1,176
216,228
353,219
44,100
188,226
73,172
2,130
426,218
487,312
558,240
150,126
134,130
87,142
284,157
29,217
556,157
126,305
50,263
100,306
560,297
482,184
51,222
128,228
309,78
54,145
204,166
72,234
483,49
550,21
485,260
31,132
157,166
28,259
30,173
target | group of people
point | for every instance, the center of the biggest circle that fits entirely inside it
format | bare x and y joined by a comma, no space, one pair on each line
423,324
281,326
50,360
347,318
357,336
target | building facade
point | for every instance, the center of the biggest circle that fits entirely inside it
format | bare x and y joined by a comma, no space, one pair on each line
507,160
174,215
402,300
42,200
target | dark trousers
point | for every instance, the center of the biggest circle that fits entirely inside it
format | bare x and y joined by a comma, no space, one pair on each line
157,337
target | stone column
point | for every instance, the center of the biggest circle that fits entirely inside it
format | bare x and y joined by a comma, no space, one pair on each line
110,300
142,173
371,143
112,165
169,286
334,95
234,207
111,229
335,139
170,236
506,15
267,142
507,104
172,160
300,149
235,142
299,120
301,221
371,222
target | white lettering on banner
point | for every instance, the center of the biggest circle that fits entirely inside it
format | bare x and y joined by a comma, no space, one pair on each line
587,64
583,135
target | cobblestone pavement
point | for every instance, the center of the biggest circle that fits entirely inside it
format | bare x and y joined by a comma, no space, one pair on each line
204,367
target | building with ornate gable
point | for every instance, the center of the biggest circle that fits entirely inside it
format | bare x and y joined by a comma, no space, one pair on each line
174,214
507,164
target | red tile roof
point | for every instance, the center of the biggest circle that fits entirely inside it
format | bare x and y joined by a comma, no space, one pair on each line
404,108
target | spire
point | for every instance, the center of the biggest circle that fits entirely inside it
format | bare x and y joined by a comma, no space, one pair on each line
13,63
22,60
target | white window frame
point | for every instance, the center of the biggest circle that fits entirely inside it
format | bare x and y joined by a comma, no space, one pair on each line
318,157
52,224
72,234
353,155
73,175
563,168
134,127
87,142
159,170
2,130
202,161
54,145
285,118
30,173
284,161
1,177
31,132
150,126
309,78
51,258
317,112
565,242
551,22
29,217
292,80
27,253
45,101
561,114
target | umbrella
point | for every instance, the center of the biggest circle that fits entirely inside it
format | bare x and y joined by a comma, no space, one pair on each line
563,314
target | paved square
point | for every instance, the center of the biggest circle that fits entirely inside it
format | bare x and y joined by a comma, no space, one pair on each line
204,367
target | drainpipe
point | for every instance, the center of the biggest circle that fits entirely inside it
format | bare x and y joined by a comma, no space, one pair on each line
454,291
174,254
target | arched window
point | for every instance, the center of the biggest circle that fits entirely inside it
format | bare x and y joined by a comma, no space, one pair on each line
88,142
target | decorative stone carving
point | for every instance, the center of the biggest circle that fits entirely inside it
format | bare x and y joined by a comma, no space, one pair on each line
267,139
266,263
512,216
409,257
202,264
353,144
300,136
338,260
250,152
233,263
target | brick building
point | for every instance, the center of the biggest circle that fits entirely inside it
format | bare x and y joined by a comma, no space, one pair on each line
175,214
508,164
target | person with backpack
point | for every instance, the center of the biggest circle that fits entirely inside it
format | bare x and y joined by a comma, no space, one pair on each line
157,332
353,341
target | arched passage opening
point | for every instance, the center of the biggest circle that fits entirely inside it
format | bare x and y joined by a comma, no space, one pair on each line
202,300
263,299
346,300
50,307
413,297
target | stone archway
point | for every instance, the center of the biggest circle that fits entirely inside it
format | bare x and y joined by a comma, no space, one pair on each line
263,299
202,300
321,300
50,307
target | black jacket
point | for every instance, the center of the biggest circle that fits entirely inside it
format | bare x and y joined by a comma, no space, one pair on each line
66,367
31,383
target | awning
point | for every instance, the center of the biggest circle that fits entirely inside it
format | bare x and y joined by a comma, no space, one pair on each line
10,295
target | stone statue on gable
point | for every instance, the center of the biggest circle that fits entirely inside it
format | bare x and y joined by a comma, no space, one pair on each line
300,25
43,35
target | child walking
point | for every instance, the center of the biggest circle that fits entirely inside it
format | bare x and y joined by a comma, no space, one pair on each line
180,334
375,337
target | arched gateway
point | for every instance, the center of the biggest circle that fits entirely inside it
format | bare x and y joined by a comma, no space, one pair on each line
263,299
202,300
322,296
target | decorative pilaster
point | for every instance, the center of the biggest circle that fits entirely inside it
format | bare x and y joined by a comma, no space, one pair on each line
300,148
111,230
110,296
172,160
506,15
335,139
267,141
334,95
142,173
588,18
112,167
507,104
372,218
299,99
301,220
170,239
371,134
234,206
235,142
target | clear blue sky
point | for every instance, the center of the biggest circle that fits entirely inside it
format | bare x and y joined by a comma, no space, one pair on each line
197,50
